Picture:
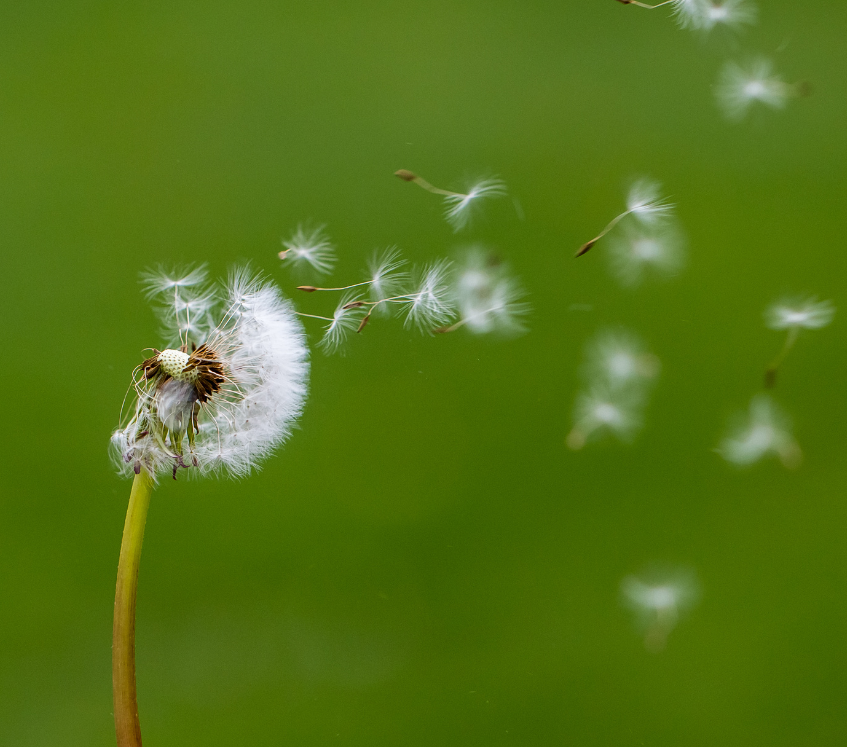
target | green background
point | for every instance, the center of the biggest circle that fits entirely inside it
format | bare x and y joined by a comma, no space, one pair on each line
425,563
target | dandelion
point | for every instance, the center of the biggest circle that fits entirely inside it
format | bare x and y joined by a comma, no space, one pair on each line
619,360
599,411
223,400
487,297
645,202
459,206
794,315
741,86
309,247
764,431
637,253
659,598
730,13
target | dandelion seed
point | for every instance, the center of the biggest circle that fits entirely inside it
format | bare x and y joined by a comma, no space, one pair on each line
309,247
645,202
730,13
345,319
160,281
233,397
764,431
460,206
600,411
619,360
799,313
387,277
487,297
794,315
430,304
637,253
741,86
659,598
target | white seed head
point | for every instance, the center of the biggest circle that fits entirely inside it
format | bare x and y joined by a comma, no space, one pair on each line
183,301
599,411
159,281
645,202
344,321
799,313
430,304
387,277
460,207
730,13
619,360
659,598
487,297
309,248
636,253
229,403
764,431
740,86
690,14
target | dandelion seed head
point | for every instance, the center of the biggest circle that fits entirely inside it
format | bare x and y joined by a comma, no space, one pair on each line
224,400
764,431
430,304
689,13
740,86
618,359
345,319
799,313
309,248
488,299
460,207
387,277
659,598
730,13
645,202
636,253
600,411
160,280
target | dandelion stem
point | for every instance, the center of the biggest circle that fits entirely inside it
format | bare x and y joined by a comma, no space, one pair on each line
588,244
770,373
127,727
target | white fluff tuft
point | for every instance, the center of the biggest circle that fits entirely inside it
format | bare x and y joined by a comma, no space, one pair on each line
261,344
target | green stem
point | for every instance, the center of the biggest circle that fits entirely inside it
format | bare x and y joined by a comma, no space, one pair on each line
127,727
770,374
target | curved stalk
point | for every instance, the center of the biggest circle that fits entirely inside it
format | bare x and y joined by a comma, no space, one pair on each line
770,373
127,726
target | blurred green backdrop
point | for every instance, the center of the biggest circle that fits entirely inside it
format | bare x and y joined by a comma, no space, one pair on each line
425,563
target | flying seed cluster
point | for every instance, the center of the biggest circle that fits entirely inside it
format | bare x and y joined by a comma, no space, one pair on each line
476,290
741,85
